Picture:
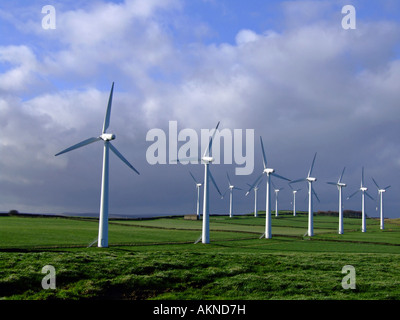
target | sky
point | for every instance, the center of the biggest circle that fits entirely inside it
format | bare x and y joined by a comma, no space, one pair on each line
284,70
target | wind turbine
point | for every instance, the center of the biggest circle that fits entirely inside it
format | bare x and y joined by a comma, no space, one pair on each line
294,199
380,193
276,198
340,185
255,188
269,172
198,186
207,159
231,187
364,192
106,138
311,192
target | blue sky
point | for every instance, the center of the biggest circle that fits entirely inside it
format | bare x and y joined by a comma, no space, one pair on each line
285,69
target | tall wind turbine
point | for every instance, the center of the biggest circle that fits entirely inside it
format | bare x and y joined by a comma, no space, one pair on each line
364,192
294,199
255,188
311,192
207,159
198,186
269,172
380,194
340,185
231,187
106,138
276,198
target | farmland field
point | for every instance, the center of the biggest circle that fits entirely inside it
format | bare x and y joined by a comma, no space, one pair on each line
157,259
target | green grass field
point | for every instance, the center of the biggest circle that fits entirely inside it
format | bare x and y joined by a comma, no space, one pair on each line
157,259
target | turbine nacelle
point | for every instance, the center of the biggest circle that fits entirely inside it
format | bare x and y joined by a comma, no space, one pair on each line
107,137
207,159
363,189
340,185
268,171
311,179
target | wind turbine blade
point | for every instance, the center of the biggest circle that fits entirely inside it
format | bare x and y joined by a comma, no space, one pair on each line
376,183
332,183
229,180
362,177
119,155
211,141
312,166
108,112
263,153
280,177
368,195
341,176
223,196
315,194
79,145
213,181
273,184
353,194
254,184
236,188
386,187
298,180
193,178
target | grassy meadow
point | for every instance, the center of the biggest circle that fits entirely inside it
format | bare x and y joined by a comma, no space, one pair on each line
157,259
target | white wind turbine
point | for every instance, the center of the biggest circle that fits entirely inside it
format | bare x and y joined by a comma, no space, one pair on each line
364,192
269,172
255,188
231,187
311,192
106,138
380,194
340,185
294,199
207,159
198,186
276,198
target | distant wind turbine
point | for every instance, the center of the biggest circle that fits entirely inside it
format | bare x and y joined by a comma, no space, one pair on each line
231,187
269,172
276,198
255,188
311,192
363,190
380,194
198,186
294,199
207,159
106,138
340,185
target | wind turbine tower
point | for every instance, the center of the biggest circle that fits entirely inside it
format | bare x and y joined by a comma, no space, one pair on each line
340,185
231,187
276,198
363,189
311,192
380,194
269,172
106,138
255,188
206,159
294,199
198,186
